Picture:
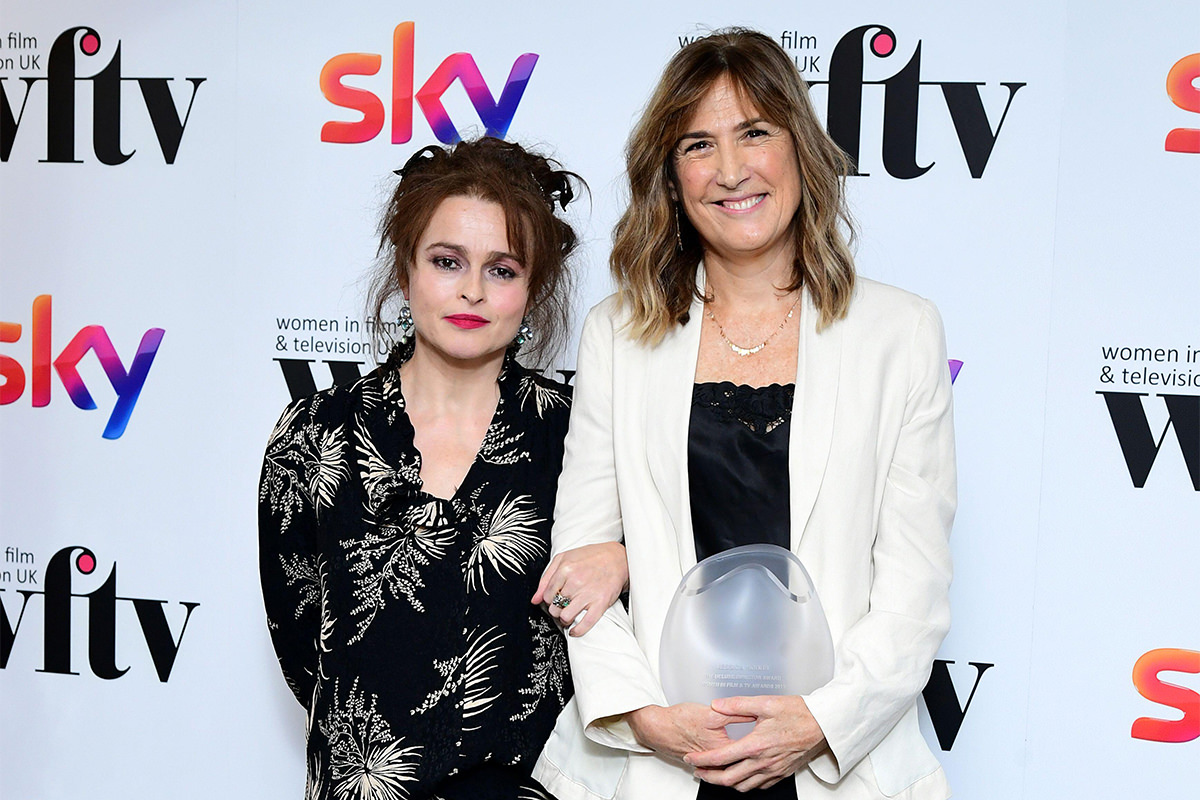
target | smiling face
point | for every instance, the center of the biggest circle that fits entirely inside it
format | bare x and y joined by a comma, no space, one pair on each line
466,289
737,178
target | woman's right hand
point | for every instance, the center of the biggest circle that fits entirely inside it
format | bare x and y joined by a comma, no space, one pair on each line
592,577
681,729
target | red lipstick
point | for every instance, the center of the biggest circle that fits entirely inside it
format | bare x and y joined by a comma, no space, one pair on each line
466,321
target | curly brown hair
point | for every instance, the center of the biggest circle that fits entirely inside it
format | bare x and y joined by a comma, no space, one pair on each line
656,276
526,185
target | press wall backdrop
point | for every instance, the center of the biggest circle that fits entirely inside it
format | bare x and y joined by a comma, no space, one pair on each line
188,202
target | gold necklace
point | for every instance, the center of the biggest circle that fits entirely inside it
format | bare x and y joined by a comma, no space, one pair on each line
749,351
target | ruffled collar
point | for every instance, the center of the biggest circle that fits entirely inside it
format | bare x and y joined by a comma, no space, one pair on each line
391,470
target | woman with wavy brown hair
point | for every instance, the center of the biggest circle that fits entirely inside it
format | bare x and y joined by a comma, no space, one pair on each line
656,248
744,386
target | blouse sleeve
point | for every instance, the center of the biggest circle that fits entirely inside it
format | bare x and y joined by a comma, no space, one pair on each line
289,566
883,660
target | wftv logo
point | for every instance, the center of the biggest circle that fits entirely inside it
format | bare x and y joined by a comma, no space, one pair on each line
1146,678
61,80
127,384
1138,443
101,617
496,115
901,102
1182,90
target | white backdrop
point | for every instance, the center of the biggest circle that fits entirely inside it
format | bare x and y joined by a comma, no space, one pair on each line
1074,233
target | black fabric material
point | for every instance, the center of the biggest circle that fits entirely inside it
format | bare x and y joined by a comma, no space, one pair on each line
738,466
739,492
401,620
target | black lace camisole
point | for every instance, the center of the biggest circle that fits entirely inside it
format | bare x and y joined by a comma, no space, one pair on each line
738,478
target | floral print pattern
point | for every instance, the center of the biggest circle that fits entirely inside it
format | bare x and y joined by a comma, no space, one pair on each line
402,620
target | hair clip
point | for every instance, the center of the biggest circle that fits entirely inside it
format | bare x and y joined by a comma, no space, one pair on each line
562,192
418,160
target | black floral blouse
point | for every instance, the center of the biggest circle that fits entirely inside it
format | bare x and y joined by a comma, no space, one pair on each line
401,620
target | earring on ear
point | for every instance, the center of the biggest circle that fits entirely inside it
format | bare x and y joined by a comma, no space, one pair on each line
678,235
524,333
407,326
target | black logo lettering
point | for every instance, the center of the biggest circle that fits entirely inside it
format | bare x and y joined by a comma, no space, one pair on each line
8,631
1138,443
61,79
901,106
102,620
942,701
299,377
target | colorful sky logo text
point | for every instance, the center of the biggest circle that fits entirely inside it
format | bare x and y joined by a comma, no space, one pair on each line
496,115
1181,88
126,383
1150,685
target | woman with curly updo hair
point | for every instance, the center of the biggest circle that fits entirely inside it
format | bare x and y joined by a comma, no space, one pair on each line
405,518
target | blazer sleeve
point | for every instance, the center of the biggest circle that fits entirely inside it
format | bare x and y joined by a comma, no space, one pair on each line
288,560
610,671
884,659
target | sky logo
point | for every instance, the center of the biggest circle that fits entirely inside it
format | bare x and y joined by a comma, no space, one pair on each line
1147,677
126,383
1181,88
496,115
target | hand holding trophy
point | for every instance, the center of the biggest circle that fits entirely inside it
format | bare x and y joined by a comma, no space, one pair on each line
746,621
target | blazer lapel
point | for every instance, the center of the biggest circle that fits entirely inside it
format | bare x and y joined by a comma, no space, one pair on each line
818,368
671,373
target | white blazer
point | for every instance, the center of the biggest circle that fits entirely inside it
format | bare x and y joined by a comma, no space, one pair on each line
873,494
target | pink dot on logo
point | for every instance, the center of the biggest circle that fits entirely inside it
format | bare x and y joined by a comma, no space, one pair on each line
90,44
882,44
85,563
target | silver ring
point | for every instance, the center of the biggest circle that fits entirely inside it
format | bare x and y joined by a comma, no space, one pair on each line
560,600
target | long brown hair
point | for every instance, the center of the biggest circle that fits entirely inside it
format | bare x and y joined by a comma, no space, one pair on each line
526,185
656,275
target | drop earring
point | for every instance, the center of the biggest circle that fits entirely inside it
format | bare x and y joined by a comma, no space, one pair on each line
524,333
678,235
406,322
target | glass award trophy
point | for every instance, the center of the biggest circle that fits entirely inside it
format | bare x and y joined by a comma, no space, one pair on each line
743,622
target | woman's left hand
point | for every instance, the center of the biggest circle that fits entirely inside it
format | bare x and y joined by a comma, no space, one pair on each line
589,578
785,738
